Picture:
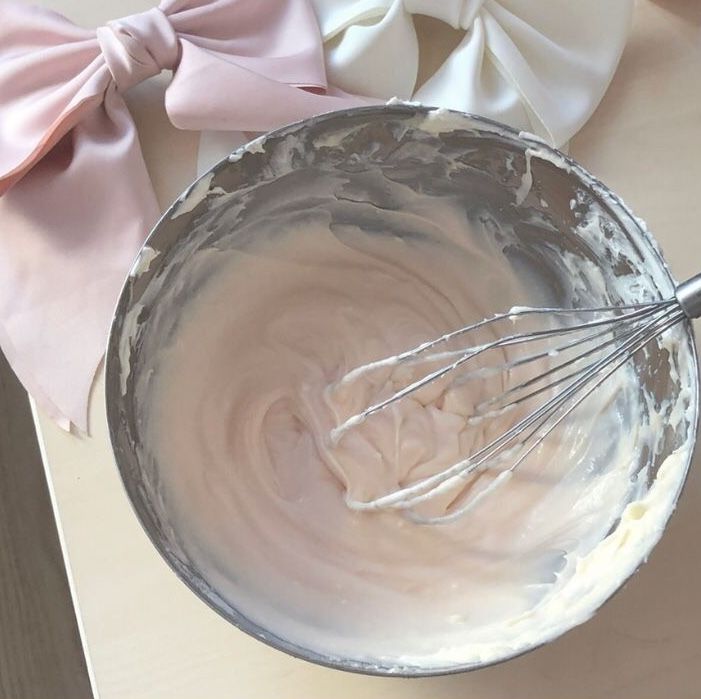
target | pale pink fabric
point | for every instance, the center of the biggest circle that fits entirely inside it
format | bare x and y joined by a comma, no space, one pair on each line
77,201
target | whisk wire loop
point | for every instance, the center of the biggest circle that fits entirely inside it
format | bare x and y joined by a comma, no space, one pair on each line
602,345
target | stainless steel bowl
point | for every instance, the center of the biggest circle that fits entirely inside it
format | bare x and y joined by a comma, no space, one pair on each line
479,161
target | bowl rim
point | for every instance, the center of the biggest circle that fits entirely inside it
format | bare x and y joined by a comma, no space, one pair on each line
113,369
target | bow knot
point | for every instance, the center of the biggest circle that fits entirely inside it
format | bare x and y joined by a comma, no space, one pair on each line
138,47
459,14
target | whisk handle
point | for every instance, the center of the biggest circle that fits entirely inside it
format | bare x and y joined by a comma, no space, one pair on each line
688,295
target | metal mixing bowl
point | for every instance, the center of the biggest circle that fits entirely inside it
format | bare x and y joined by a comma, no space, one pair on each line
481,162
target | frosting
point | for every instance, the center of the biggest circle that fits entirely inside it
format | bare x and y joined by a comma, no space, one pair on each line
242,423
243,386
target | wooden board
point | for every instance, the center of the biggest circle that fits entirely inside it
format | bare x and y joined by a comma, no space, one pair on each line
148,637
40,651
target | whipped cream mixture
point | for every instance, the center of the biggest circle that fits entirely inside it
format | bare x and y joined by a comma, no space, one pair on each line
244,398
298,262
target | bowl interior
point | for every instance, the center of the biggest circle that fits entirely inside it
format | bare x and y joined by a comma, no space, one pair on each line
540,210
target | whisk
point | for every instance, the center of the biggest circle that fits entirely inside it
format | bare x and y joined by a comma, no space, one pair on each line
600,342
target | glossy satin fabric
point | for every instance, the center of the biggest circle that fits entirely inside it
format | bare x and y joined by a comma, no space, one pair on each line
539,65
76,200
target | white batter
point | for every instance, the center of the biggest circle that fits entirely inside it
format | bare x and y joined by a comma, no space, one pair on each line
241,409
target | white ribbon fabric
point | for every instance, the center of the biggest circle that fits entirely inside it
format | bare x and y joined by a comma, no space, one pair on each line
538,65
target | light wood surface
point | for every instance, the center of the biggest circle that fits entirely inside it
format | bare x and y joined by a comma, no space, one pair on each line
147,637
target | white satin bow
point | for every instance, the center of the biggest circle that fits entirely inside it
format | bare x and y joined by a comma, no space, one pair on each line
539,65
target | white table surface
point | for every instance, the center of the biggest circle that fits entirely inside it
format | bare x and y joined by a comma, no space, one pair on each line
146,636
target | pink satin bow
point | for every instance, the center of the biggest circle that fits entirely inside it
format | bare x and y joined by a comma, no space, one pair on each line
77,200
